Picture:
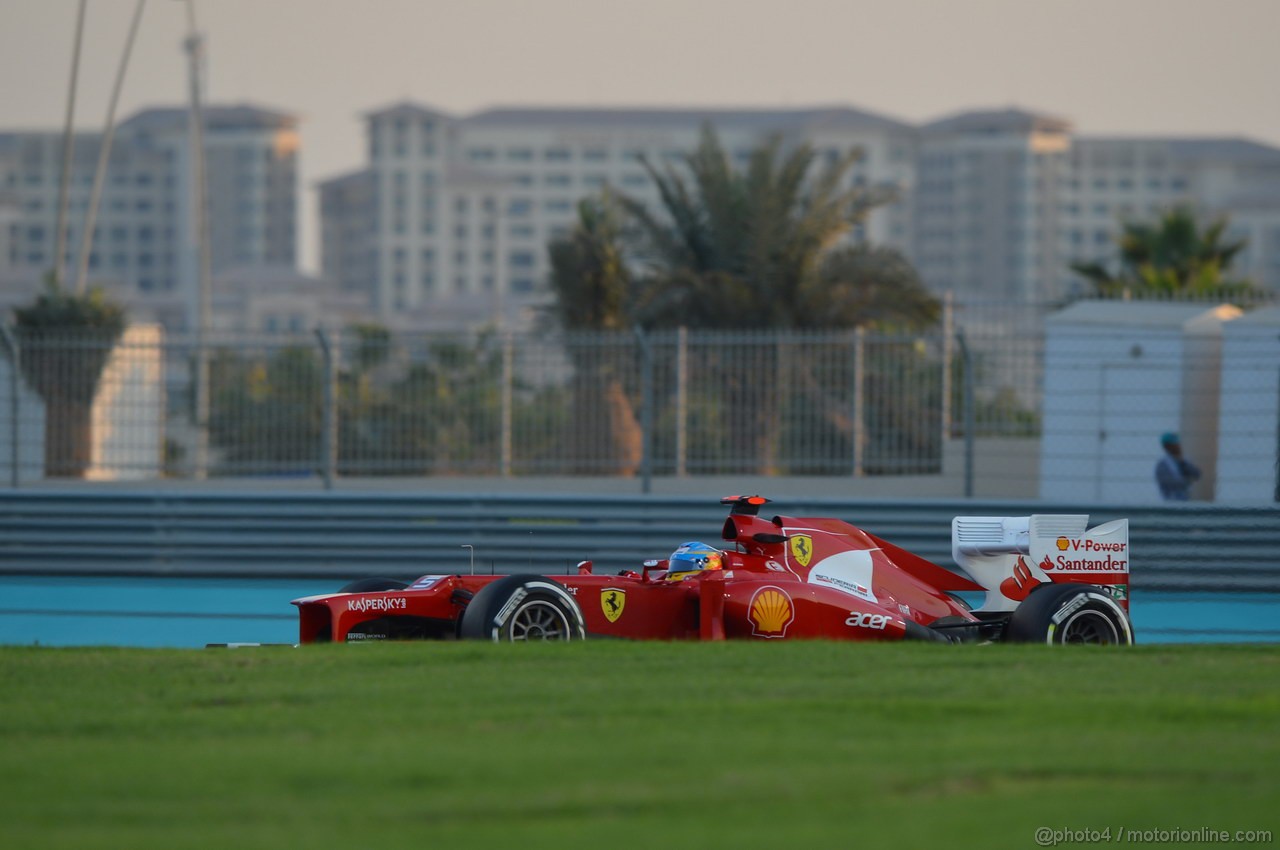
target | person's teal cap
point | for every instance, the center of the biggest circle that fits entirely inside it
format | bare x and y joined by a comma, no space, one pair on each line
1169,438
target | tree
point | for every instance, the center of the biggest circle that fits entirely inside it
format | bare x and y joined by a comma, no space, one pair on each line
870,286
446,407
743,249
593,287
435,409
266,412
756,250
66,340
1172,256
877,289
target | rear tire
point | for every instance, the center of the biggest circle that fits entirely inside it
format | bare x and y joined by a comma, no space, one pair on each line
372,585
523,608
1070,613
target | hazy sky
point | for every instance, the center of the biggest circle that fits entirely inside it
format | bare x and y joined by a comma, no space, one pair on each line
1207,67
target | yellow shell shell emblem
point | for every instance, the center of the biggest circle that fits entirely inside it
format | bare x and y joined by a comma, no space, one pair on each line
801,547
770,612
612,601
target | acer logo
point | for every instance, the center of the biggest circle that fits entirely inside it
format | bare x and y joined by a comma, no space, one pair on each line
867,621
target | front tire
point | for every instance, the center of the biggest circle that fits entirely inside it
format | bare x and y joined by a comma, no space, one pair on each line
523,608
1070,613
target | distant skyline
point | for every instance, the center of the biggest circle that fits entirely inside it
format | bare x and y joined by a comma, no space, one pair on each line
1112,67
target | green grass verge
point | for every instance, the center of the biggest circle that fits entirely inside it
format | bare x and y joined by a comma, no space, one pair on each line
611,744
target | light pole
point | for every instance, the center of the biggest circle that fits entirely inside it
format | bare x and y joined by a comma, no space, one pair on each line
64,186
104,155
194,45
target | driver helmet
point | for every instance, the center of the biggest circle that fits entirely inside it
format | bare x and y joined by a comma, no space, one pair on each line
691,558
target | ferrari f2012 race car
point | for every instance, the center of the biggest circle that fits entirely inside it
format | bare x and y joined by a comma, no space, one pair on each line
1046,578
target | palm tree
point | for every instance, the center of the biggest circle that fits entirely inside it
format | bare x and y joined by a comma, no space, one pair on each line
1172,256
753,250
742,249
593,287
66,340
869,286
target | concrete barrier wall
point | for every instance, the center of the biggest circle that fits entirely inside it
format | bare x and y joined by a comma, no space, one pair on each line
288,533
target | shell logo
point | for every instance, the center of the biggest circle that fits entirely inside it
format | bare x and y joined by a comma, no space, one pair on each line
1063,543
771,611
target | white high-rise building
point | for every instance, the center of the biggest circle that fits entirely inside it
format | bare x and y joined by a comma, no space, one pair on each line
143,241
1006,200
463,208
451,219
985,222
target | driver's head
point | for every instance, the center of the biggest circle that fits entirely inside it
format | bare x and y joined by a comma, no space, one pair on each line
690,559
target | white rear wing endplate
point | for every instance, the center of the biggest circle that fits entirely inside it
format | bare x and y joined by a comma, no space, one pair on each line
1010,555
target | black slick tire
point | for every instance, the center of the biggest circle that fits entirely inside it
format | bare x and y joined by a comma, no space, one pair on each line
1070,613
523,608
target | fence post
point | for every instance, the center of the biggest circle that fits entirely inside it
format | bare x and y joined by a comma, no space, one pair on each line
682,402
15,387
200,402
966,363
948,353
646,413
329,415
508,380
859,399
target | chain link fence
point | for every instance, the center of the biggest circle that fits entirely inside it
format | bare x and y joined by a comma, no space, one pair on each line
363,402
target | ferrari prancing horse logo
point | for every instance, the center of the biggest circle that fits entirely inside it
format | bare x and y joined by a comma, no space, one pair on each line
801,548
612,601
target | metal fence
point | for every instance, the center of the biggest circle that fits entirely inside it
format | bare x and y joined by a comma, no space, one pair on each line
364,402
346,404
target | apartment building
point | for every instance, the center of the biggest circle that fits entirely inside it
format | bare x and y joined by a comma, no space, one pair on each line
994,204
463,207
144,240
1127,179
1006,200
347,232
985,226
280,299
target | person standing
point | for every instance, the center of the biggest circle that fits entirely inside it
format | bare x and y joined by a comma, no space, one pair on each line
1174,473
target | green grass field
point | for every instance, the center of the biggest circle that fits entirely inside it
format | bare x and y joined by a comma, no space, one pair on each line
611,744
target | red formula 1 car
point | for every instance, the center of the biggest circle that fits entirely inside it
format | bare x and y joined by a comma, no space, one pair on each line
1047,578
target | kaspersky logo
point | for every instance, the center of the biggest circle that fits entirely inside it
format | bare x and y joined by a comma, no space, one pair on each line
801,547
377,603
771,611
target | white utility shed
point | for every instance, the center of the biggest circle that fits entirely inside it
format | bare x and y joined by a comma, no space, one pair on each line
1117,375
1249,418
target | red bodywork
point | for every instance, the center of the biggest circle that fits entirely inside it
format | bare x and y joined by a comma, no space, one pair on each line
785,577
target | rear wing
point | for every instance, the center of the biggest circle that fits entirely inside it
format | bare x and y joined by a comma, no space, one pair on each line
1011,556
